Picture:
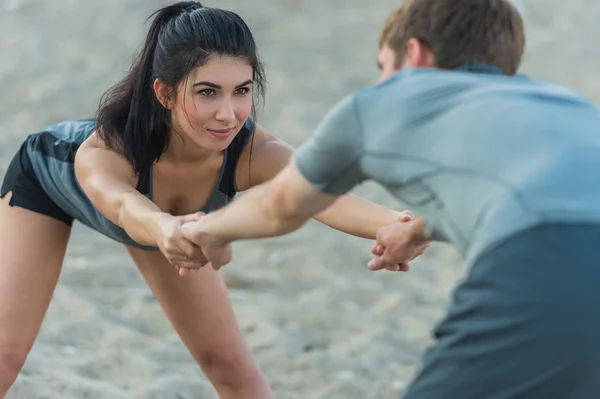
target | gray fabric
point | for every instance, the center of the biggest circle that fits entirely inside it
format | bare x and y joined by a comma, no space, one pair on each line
331,162
481,156
523,324
506,169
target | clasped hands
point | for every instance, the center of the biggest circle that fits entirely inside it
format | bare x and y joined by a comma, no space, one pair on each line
186,246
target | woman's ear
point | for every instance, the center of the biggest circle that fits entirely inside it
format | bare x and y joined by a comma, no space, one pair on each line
163,93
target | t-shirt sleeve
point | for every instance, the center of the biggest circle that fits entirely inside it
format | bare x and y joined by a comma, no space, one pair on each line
331,159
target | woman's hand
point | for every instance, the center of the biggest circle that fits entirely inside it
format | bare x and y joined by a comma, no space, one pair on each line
217,252
179,251
399,234
399,243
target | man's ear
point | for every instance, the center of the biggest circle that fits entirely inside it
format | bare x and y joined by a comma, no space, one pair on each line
418,55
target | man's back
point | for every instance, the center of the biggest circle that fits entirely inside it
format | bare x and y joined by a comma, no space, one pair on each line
480,155
503,167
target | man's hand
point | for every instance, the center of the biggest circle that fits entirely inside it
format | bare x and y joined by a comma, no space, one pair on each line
179,251
399,243
218,253
201,260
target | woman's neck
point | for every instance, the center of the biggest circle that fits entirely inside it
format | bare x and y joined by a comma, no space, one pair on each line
183,150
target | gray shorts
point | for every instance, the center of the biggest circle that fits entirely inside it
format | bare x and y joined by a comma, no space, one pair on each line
525,323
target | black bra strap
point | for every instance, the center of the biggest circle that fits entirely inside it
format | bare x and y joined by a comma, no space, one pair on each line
234,151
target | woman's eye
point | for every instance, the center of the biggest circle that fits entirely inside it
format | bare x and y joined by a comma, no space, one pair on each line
242,90
207,92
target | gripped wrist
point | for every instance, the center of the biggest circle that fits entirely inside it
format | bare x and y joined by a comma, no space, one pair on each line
419,235
205,233
156,221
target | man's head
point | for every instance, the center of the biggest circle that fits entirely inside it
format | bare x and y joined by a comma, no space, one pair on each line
449,33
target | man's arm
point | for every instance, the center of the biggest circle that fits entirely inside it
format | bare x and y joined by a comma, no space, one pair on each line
277,207
324,168
266,156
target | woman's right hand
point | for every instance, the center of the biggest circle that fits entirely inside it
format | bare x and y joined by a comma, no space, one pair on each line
179,251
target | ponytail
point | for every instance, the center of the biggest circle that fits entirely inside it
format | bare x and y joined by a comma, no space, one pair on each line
130,119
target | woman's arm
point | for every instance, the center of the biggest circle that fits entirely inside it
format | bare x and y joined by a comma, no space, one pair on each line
108,180
349,213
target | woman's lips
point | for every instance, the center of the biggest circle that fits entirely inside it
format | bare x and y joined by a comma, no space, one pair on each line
221,133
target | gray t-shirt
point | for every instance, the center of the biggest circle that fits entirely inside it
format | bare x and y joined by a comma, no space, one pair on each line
481,155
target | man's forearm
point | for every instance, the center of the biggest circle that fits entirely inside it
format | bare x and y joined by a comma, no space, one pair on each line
274,208
259,213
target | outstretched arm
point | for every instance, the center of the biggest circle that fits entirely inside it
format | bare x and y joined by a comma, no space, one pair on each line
277,207
267,156
274,208
109,182
323,170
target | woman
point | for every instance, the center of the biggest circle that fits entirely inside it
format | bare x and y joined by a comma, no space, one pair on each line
174,136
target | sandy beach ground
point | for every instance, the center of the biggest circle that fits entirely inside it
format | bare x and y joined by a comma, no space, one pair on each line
321,325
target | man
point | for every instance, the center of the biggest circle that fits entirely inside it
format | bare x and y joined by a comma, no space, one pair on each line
502,166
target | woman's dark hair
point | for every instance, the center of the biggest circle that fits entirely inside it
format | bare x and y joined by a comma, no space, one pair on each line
183,36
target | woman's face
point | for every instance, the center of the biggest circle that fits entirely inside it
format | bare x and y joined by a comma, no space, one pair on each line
213,103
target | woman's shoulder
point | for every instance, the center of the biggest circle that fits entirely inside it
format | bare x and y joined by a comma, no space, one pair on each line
72,131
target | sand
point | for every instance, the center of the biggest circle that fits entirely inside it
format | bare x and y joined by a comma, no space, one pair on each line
321,325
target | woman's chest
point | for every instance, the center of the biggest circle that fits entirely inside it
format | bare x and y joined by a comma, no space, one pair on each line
180,191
